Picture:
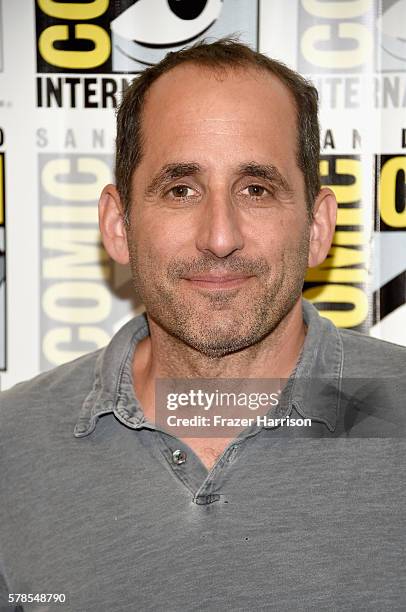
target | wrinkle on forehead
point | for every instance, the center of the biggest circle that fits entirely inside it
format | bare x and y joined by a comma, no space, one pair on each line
217,126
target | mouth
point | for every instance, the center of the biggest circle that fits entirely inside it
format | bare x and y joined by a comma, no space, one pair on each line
217,282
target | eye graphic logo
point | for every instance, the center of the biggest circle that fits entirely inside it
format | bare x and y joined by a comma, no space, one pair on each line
143,34
391,36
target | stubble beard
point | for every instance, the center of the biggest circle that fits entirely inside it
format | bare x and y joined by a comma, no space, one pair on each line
227,321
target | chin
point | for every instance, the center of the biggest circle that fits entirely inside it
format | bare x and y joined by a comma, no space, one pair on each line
215,343
219,350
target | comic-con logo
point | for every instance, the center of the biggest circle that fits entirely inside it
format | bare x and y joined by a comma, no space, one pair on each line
339,286
125,36
2,264
389,245
1,41
335,36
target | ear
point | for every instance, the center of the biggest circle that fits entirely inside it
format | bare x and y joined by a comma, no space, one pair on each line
112,226
322,226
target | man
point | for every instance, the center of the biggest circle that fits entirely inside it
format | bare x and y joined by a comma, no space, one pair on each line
219,210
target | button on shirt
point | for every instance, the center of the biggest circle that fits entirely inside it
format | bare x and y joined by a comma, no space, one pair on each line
179,456
101,505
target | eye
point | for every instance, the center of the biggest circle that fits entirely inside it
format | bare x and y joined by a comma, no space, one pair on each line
255,191
181,192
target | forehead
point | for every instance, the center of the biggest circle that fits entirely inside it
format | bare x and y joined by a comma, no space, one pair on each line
229,100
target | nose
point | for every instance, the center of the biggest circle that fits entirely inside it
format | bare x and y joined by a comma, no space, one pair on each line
219,230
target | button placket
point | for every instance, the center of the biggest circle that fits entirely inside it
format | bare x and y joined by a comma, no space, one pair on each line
205,494
188,469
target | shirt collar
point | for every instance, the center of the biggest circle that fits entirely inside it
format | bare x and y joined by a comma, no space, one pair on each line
314,388
316,384
112,389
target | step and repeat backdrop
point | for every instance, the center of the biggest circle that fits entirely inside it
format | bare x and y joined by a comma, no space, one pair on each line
63,67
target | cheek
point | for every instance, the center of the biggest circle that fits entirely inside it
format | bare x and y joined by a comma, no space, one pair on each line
271,240
287,245
155,247
164,235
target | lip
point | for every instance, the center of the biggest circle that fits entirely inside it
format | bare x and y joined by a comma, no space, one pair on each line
216,282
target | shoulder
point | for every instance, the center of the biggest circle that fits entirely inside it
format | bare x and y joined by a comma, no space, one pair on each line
53,399
368,356
64,385
357,355
373,387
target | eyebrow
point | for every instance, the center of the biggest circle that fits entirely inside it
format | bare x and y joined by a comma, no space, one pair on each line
170,172
269,172
177,170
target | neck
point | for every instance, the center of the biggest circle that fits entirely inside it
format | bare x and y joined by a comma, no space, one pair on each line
164,356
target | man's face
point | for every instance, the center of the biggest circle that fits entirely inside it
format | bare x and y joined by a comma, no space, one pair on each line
219,232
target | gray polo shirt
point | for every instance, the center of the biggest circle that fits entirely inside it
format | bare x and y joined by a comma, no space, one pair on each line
95,505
